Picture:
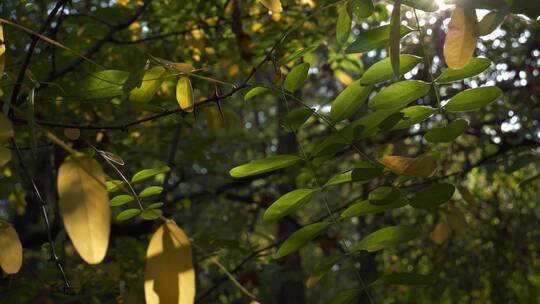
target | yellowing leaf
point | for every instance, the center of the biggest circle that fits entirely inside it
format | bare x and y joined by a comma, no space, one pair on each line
6,128
151,82
5,156
2,51
184,94
11,249
461,39
84,205
467,195
169,277
456,220
273,5
441,233
423,166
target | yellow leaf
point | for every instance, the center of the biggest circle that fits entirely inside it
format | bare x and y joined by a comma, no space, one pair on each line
6,128
423,166
2,51
441,233
456,220
84,205
169,277
273,5
343,77
460,41
184,94
5,156
151,82
11,252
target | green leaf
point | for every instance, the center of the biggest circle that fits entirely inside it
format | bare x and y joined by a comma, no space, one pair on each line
339,179
490,22
254,92
349,101
473,99
297,54
384,195
300,238
152,190
381,71
147,173
113,185
101,85
296,118
413,115
152,80
362,8
322,268
151,214
343,25
474,67
395,37
366,207
155,205
121,199
265,165
365,172
288,203
432,196
296,77
127,214
387,237
448,133
404,279
374,39
391,121
399,94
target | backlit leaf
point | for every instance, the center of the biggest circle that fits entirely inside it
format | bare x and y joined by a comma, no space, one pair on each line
288,203
254,92
300,238
349,101
395,37
423,166
413,115
11,255
473,99
152,80
2,52
169,277
147,173
273,5
101,85
264,165
296,77
399,94
114,185
374,39
490,22
152,190
343,25
121,199
448,133
387,237
460,40
381,71
184,94
432,196
474,67
84,205
362,8
339,179
296,118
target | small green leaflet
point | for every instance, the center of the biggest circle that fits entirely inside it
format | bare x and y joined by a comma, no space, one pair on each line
387,237
113,185
343,25
300,238
264,165
381,71
413,115
349,101
153,190
151,214
296,77
404,279
448,133
474,67
288,203
254,92
366,207
395,37
432,196
473,99
399,94
127,214
121,199
296,118
362,8
374,39
147,173
155,205
384,195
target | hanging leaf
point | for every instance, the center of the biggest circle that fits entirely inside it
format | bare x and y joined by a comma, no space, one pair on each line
399,94
404,279
349,101
456,220
460,41
441,233
11,255
473,99
152,80
169,277
265,165
413,115
296,77
2,52
6,128
288,203
84,205
474,67
374,39
384,195
300,238
423,166
147,173
366,207
395,37
5,156
387,237
362,8
254,92
101,85
343,25
432,196
273,5
184,94
448,133
382,71
127,214
296,118
321,270
150,191
121,199
490,22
